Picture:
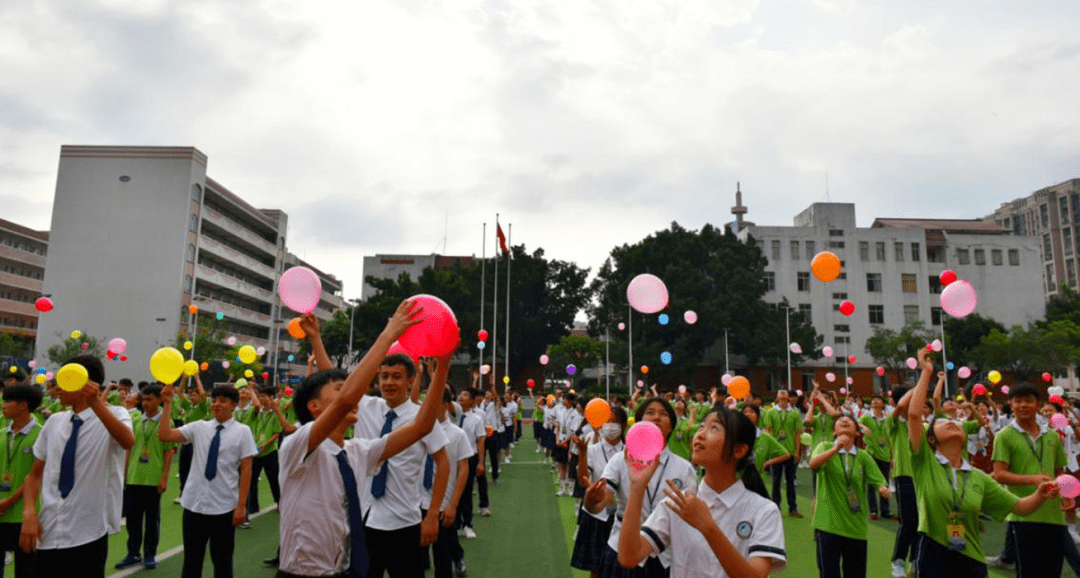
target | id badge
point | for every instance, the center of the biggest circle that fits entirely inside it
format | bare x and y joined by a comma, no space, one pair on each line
5,486
782,435
144,458
853,500
955,533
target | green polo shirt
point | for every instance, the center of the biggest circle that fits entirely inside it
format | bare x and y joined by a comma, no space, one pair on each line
766,448
16,459
246,415
1025,456
681,436
901,445
114,398
935,495
180,407
149,447
785,426
198,411
287,410
823,428
879,442
264,425
843,478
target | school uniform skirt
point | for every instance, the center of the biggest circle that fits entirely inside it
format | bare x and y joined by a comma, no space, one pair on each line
591,541
579,490
609,567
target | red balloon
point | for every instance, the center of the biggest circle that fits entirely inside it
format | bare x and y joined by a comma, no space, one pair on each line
43,304
852,359
398,348
530,383
437,333
1046,376
482,334
266,375
947,276
881,371
123,358
847,308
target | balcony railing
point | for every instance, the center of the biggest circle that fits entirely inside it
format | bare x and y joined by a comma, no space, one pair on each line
20,282
239,230
237,257
22,256
229,282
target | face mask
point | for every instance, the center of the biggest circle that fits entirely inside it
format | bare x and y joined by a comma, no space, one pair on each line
611,431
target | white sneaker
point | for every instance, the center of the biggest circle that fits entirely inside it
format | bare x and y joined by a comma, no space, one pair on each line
506,460
561,492
469,533
995,562
898,569
1074,534
485,512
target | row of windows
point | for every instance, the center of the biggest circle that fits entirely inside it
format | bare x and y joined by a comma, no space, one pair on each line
235,273
15,243
963,256
21,296
875,314
260,257
232,299
229,326
269,237
908,283
19,322
809,248
29,273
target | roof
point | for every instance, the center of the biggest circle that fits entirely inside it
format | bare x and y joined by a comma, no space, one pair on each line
25,231
975,226
232,197
447,262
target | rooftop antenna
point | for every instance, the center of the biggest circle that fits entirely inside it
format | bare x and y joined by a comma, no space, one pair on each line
828,199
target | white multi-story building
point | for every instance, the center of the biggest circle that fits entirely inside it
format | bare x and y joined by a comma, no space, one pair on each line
22,266
392,266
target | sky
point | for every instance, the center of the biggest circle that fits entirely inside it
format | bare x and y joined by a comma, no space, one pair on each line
395,126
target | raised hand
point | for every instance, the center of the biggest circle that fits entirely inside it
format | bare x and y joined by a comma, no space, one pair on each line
689,507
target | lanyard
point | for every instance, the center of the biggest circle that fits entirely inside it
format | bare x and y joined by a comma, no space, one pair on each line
963,490
146,435
656,490
12,448
847,471
1035,446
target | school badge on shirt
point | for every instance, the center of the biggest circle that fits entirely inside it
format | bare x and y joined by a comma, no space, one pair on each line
744,530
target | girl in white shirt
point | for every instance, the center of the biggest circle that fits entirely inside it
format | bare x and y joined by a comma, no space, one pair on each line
593,530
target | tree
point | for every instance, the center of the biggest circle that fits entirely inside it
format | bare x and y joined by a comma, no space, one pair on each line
1064,306
70,347
1029,351
890,349
209,342
581,351
964,334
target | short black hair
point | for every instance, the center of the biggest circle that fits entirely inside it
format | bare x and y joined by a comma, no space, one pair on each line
1024,390
267,390
143,384
18,375
310,388
898,392
31,395
639,414
226,391
878,396
93,367
401,359
447,397
570,397
1056,405
127,382
151,389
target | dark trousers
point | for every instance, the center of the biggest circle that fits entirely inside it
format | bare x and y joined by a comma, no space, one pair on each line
199,529
395,553
493,463
85,561
835,552
465,509
9,542
185,464
443,551
780,470
873,497
908,506
936,561
492,447
269,462
1040,551
142,502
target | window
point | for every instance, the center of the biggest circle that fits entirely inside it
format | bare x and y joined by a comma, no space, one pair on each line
911,313
1048,250
963,257
1050,285
1044,215
810,250
935,315
191,253
899,250
803,281
879,250
995,256
1014,257
187,283
805,309
980,256
1070,272
1076,208
1066,240
873,282
1063,210
193,223
794,250
935,285
836,232
770,281
935,254
836,244
877,314
909,283
864,250
842,340
839,295
196,193
842,328
776,250
916,252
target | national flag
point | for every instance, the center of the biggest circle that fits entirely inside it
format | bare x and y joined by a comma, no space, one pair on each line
502,239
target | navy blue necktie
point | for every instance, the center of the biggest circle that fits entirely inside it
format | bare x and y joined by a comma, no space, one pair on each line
462,422
211,456
378,484
67,461
429,472
358,554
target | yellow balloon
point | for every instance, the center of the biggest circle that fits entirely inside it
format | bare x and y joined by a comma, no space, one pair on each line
13,369
166,365
188,345
249,374
247,355
191,367
76,334
506,379
72,377
40,379
241,383
995,376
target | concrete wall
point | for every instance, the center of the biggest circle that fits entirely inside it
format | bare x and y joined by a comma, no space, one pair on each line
391,266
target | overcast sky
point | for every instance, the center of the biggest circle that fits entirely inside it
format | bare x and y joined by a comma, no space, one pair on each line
585,123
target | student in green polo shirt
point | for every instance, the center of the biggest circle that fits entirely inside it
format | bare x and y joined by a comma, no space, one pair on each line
266,427
16,459
148,465
782,422
1027,454
820,418
840,515
767,451
683,432
879,446
952,494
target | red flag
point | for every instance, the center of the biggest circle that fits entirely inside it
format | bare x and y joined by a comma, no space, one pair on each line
502,239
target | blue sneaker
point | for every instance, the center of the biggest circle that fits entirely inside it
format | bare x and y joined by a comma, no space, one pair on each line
150,563
128,562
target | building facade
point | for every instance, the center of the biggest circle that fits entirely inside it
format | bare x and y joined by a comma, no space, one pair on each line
22,268
392,266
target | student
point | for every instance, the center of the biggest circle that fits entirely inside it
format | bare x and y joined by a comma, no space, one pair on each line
768,452
16,453
581,431
149,462
538,420
198,409
683,431
567,421
78,474
879,447
590,541
11,379
474,429
952,494
491,409
840,517
509,411
613,486
783,423
448,556
729,527
215,499
266,427
907,504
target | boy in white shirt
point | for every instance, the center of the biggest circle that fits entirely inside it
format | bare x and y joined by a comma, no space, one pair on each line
474,428
446,548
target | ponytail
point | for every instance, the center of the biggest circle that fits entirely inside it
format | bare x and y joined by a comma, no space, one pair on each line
740,430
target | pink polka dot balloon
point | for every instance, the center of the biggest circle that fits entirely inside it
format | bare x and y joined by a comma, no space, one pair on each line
1059,421
690,317
725,379
830,377
964,372
644,441
1069,486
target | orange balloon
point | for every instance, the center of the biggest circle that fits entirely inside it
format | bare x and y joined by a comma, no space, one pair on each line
644,369
738,387
193,309
551,399
295,330
826,266
597,412
204,366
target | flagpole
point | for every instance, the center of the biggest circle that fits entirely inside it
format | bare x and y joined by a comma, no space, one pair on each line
509,259
607,365
630,345
483,281
495,311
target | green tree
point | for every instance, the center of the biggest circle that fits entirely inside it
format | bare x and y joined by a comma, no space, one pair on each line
70,347
209,342
1026,352
964,334
891,349
582,351
1064,306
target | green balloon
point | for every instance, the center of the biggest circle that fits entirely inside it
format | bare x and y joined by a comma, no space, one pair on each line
806,439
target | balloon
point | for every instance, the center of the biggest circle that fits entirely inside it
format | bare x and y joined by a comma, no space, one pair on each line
570,369
44,305
1005,389
690,317
825,266
949,366
912,363
994,376
291,358
847,308
13,369
204,366
260,351
843,391
798,392
249,374
852,359
551,399
597,412
191,367
645,369
978,389
117,345
288,391
166,365
247,355
544,360
31,364
397,348
935,345
1056,399
644,441
485,369
806,439
663,319
230,341
1055,390
827,351
220,316
72,377
880,370
830,377
266,375
622,326
725,379
193,309
506,379
795,348
640,384
682,389
1046,375
41,370
531,384
480,345
295,330
241,383
959,299
40,379
437,333
964,372
300,289
188,345
76,334
482,334
738,387
1068,485
123,358
850,380
225,365
647,293
947,277
49,375
85,345
1059,421
665,358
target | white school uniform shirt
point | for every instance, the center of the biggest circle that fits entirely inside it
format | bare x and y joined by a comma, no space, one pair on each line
93,507
549,417
571,420
314,524
473,428
599,454
457,448
219,495
587,432
671,467
558,413
400,505
509,411
751,523
491,415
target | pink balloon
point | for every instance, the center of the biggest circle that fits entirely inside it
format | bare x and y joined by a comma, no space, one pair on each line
827,351
1005,389
260,351
225,364
49,375
647,293
437,333
682,389
959,299
830,376
544,359
843,391
690,317
231,340
644,441
32,363
1059,421
640,383
725,379
622,326
398,348
798,392
1069,486
117,345
964,372
912,363
880,370
935,345
795,348
485,369
300,289
851,381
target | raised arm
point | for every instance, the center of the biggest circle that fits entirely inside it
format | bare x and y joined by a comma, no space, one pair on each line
166,432
939,389
119,431
404,437
310,324
917,403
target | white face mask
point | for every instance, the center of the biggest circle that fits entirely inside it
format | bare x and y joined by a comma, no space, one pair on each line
611,431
